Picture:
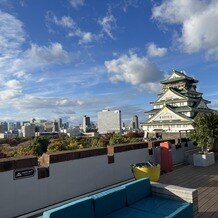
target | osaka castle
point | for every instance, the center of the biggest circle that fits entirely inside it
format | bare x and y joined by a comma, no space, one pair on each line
177,105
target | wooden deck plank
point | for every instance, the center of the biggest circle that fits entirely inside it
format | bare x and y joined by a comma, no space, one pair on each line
204,179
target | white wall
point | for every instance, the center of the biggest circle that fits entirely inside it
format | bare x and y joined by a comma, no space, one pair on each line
69,179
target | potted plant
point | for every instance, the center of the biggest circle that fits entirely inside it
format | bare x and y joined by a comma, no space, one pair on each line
205,132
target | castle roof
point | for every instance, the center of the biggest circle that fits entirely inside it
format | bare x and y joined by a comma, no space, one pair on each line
167,114
177,76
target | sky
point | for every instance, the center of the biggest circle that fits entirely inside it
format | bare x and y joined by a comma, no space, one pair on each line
70,58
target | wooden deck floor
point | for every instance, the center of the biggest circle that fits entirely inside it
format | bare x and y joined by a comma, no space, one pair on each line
204,179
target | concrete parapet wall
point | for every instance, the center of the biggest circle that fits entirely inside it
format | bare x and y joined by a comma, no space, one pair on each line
66,175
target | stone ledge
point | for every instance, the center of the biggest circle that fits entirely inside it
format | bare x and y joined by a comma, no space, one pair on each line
112,149
7,164
61,156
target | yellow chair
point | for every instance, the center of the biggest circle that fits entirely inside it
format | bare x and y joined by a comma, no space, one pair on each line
152,172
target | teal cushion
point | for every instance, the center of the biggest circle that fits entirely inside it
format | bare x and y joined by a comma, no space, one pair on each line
185,210
137,190
82,208
164,207
109,201
128,212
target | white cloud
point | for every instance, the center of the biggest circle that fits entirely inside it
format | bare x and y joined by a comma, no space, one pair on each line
154,51
11,89
108,24
21,74
71,27
34,102
175,12
12,35
9,94
138,71
130,3
86,37
13,84
77,3
65,21
14,60
43,55
198,20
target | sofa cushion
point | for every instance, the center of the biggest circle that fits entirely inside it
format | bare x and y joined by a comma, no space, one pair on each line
137,190
82,208
109,201
128,212
164,207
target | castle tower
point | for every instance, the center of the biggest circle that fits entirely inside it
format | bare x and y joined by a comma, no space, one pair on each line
177,105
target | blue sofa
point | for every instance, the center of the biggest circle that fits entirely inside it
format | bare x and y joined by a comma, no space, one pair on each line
132,200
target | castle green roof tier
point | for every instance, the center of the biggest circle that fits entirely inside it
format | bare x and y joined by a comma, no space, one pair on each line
179,76
173,122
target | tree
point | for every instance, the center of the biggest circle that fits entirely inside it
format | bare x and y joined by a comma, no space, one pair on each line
117,139
205,130
57,145
39,145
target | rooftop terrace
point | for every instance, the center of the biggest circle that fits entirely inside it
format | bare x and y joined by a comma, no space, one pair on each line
66,176
204,179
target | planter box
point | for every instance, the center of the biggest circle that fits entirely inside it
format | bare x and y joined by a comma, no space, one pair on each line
204,160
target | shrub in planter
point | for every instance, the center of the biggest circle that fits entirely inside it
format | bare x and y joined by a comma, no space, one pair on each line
205,130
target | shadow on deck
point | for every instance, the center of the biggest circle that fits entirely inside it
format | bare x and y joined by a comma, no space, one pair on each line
204,179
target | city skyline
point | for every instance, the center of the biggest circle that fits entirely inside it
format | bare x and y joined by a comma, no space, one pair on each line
73,58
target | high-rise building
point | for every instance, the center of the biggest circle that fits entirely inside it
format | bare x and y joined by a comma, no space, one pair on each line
86,126
60,123
3,127
135,122
55,127
28,130
11,126
176,106
109,121
17,125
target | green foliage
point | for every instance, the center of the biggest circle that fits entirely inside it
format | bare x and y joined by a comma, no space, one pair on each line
57,145
39,145
74,144
18,151
14,141
205,130
117,139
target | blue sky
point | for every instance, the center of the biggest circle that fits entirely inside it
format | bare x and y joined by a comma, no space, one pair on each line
69,58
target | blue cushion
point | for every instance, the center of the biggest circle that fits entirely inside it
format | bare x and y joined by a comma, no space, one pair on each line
109,201
164,207
137,190
184,211
82,208
128,212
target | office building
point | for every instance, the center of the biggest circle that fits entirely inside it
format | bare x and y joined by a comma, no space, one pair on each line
135,122
28,130
11,126
86,125
109,121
